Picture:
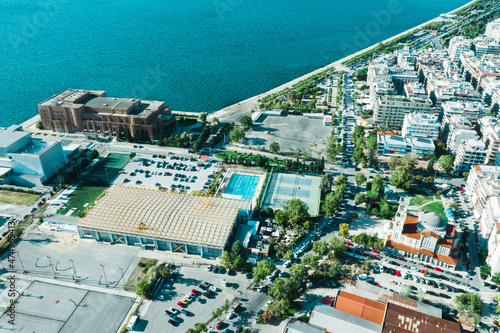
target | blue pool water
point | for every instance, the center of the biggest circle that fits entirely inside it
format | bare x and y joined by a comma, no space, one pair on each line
243,185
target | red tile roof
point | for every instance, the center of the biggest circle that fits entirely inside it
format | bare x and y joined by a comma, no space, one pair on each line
398,246
410,227
477,167
360,307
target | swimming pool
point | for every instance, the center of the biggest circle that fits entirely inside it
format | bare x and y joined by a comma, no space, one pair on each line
241,187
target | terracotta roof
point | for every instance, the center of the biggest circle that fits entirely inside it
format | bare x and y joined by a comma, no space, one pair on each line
445,242
477,167
386,133
498,226
398,246
360,307
327,300
450,230
430,233
402,320
410,227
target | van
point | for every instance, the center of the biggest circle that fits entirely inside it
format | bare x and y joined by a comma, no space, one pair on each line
131,323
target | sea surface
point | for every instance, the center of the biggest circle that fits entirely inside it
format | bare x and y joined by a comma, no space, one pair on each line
196,55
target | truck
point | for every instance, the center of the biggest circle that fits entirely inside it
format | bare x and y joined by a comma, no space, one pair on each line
132,322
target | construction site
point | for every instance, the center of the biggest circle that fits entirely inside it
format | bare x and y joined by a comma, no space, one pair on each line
164,220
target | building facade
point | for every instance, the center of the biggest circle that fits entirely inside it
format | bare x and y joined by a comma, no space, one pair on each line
483,182
426,237
470,152
27,161
391,110
89,111
421,126
393,145
490,134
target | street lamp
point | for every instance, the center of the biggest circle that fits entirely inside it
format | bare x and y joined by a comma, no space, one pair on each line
105,278
52,266
123,276
74,271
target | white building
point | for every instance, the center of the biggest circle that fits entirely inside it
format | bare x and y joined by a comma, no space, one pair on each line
485,45
491,219
391,110
457,136
490,134
458,44
421,125
393,145
426,237
26,161
483,182
493,30
489,216
471,110
470,152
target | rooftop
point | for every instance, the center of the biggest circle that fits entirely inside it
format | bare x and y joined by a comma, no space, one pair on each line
159,214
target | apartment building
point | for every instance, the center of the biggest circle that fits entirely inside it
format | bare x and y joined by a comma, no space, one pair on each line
457,45
421,125
89,111
490,135
470,152
483,182
426,237
490,220
485,45
476,69
393,145
391,110
493,30
471,110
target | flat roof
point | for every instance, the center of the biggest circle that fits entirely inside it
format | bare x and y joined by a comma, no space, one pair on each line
160,214
8,136
111,103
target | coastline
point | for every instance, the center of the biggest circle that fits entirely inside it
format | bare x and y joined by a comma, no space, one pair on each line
236,111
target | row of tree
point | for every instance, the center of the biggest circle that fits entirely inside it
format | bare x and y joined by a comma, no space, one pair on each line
333,200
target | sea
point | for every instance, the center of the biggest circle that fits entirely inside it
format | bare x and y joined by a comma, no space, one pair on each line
196,55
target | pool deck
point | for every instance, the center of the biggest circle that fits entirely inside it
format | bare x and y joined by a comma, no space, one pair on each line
258,187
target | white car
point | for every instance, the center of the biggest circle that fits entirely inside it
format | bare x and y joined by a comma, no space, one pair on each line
287,263
188,297
414,269
209,268
268,302
230,315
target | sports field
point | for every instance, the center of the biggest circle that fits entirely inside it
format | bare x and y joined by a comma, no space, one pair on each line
17,198
241,187
106,169
283,187
80,197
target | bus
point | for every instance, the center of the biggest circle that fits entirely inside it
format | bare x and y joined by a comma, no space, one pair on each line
131,323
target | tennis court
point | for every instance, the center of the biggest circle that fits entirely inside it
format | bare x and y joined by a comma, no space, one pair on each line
283,187
241,187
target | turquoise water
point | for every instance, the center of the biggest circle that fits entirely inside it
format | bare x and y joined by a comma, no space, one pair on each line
195,55
243,185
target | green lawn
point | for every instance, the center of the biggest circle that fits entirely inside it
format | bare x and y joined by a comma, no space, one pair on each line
420,200
17,198
436,207
83,195
112,161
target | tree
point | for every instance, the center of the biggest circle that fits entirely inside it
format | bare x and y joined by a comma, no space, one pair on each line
469,301
142,288
288,255
165,271
496,278
406,291
236,134
430,165
262,269
321,248
339,148
485,270
344,230
394,162
214,122
341,179
446,163
237,249
296,211
277,290
337,246
310,260
203,117
299,270
226,260
401,177
332,204
360,178
372,145
246,122
410,161
281,217
240,263
151,262
274,147
200,327
377,187
359,198
465,174
39,125
334,270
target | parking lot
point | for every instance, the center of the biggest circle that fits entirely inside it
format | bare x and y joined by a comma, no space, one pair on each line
200,308
291,132
168,171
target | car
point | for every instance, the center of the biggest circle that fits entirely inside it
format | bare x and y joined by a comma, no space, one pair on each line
414,268
172,322
180,304
237,307
165,291
287,263
248,275
230,315
204,285
161,296
195,292
438,269
257,315
174,311
219,325
209,268
375,251
401,258
184,301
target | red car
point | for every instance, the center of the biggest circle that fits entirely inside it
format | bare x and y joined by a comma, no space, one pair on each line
195,292
428,266
375,251
365,254
375,257
387,172
180,304
348,243
401,258
397,273
438,269
219,325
